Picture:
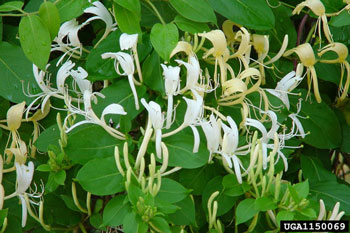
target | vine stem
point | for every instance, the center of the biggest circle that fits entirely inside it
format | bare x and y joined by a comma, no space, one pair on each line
156,12
300,33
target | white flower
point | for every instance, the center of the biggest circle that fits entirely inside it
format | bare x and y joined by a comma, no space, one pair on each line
297,126
229,147
212,133
24,179
336,215
172,86
193,73
90,116
62,74
100,12
127,63
285,86
157,119
80,76
127,41
192,116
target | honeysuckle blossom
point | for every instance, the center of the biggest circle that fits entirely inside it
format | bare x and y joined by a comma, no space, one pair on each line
317,7
172,86
297,127
193,73
229,147
285,86
243,51
62,74
157,119
90,116
335,214
126,42
212,131
101,12
127,63
307,59
219,51
342,51
24,179
80,76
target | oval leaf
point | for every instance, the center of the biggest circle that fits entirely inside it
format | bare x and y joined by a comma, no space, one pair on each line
101,177
11,6
195,10
164,39
35,40
245,211
50,16
254,14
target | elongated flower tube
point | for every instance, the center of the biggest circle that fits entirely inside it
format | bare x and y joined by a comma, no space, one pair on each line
126,42
212,131
318,9
127,63
285,86
80,76
297,127
243,51
229,147
101,12
172,85
342,51
193,73
307,59
219,51
62,74
157,119
91,118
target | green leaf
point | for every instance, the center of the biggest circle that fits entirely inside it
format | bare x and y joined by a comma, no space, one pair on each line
50,136
134,192
284,215
161,224
186,213
115,211
181,154
84,146
43,168
314,171
171,191
11,6
152,74
309,212
15,71
50,16
3,215
343,19
70,9
128,21
232,187
130,223
101,177
345,146
245,210
323,124
142,227
68,200
164,39
264,204
190,26
132,5
225,203
253,14
328,72
302,189
103,69
294,194
35,40
195,10
60,177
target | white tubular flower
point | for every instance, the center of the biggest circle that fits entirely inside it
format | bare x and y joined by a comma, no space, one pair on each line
90,116
192,115
24,179
229,147
193,73
80,76
285,86
335,214
127,41
62,74
172,86
157,119
101,12
127,63
264,140
212,133
297,126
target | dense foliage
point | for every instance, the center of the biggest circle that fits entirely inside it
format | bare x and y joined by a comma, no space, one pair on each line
173,116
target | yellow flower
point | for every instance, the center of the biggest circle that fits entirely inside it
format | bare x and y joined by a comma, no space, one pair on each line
342,51
307,59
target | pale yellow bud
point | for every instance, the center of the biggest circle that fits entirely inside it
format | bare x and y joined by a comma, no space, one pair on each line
14,116
316,6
